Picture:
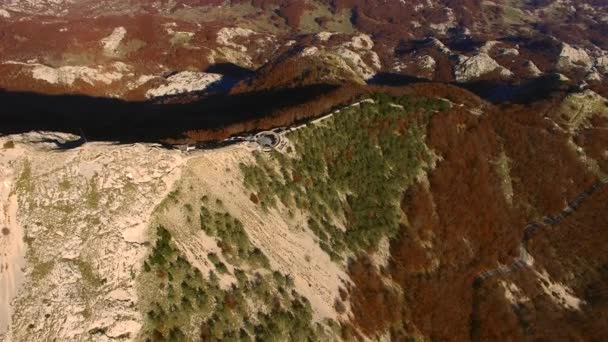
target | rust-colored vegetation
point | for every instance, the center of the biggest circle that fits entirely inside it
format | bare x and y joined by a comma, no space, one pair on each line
460,223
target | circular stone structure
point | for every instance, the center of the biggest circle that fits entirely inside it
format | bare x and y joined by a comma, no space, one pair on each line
267,140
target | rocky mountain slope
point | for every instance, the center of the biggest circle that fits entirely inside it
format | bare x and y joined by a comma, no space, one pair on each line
450,218
303,170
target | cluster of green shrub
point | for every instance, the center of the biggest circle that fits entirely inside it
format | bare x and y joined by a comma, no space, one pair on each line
182,304
232,238
349,170
179,291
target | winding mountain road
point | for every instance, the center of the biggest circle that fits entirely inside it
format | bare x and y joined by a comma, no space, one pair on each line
525,260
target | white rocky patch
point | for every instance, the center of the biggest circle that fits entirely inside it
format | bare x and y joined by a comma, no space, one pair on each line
427,62
309,51
563,78
143,79
513,293
526,257
356,62
382,255
399,65
533,70
593,76
231,50
508,52
226,35
357,51
324,36
488,46
67,75
184,82
169,27
375,60
4,13
601,64
355,56
50,7
121,67
112,42
470,68
559,293
118,75
570,56
361,42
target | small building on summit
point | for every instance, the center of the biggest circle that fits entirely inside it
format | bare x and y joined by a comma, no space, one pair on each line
268,140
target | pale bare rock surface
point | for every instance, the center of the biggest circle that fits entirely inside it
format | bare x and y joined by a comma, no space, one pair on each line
427,62
51,7
240,45
309,51
12,249
359,55
382,255
570,56
601,63
85,214
561,294
67,75
513,293
473,67
112,42
227,35
354,58
533,70
324,36
488,46
184,82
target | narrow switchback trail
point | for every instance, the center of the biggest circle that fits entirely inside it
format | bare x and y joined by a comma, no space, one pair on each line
525,261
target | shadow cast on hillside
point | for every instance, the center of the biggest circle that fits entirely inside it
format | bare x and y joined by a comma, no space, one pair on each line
230,70
395,80
495,91
525,92
105,119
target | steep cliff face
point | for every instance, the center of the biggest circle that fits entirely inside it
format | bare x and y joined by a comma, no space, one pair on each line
449,218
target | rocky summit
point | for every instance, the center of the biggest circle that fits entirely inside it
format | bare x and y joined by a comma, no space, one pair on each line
303,170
